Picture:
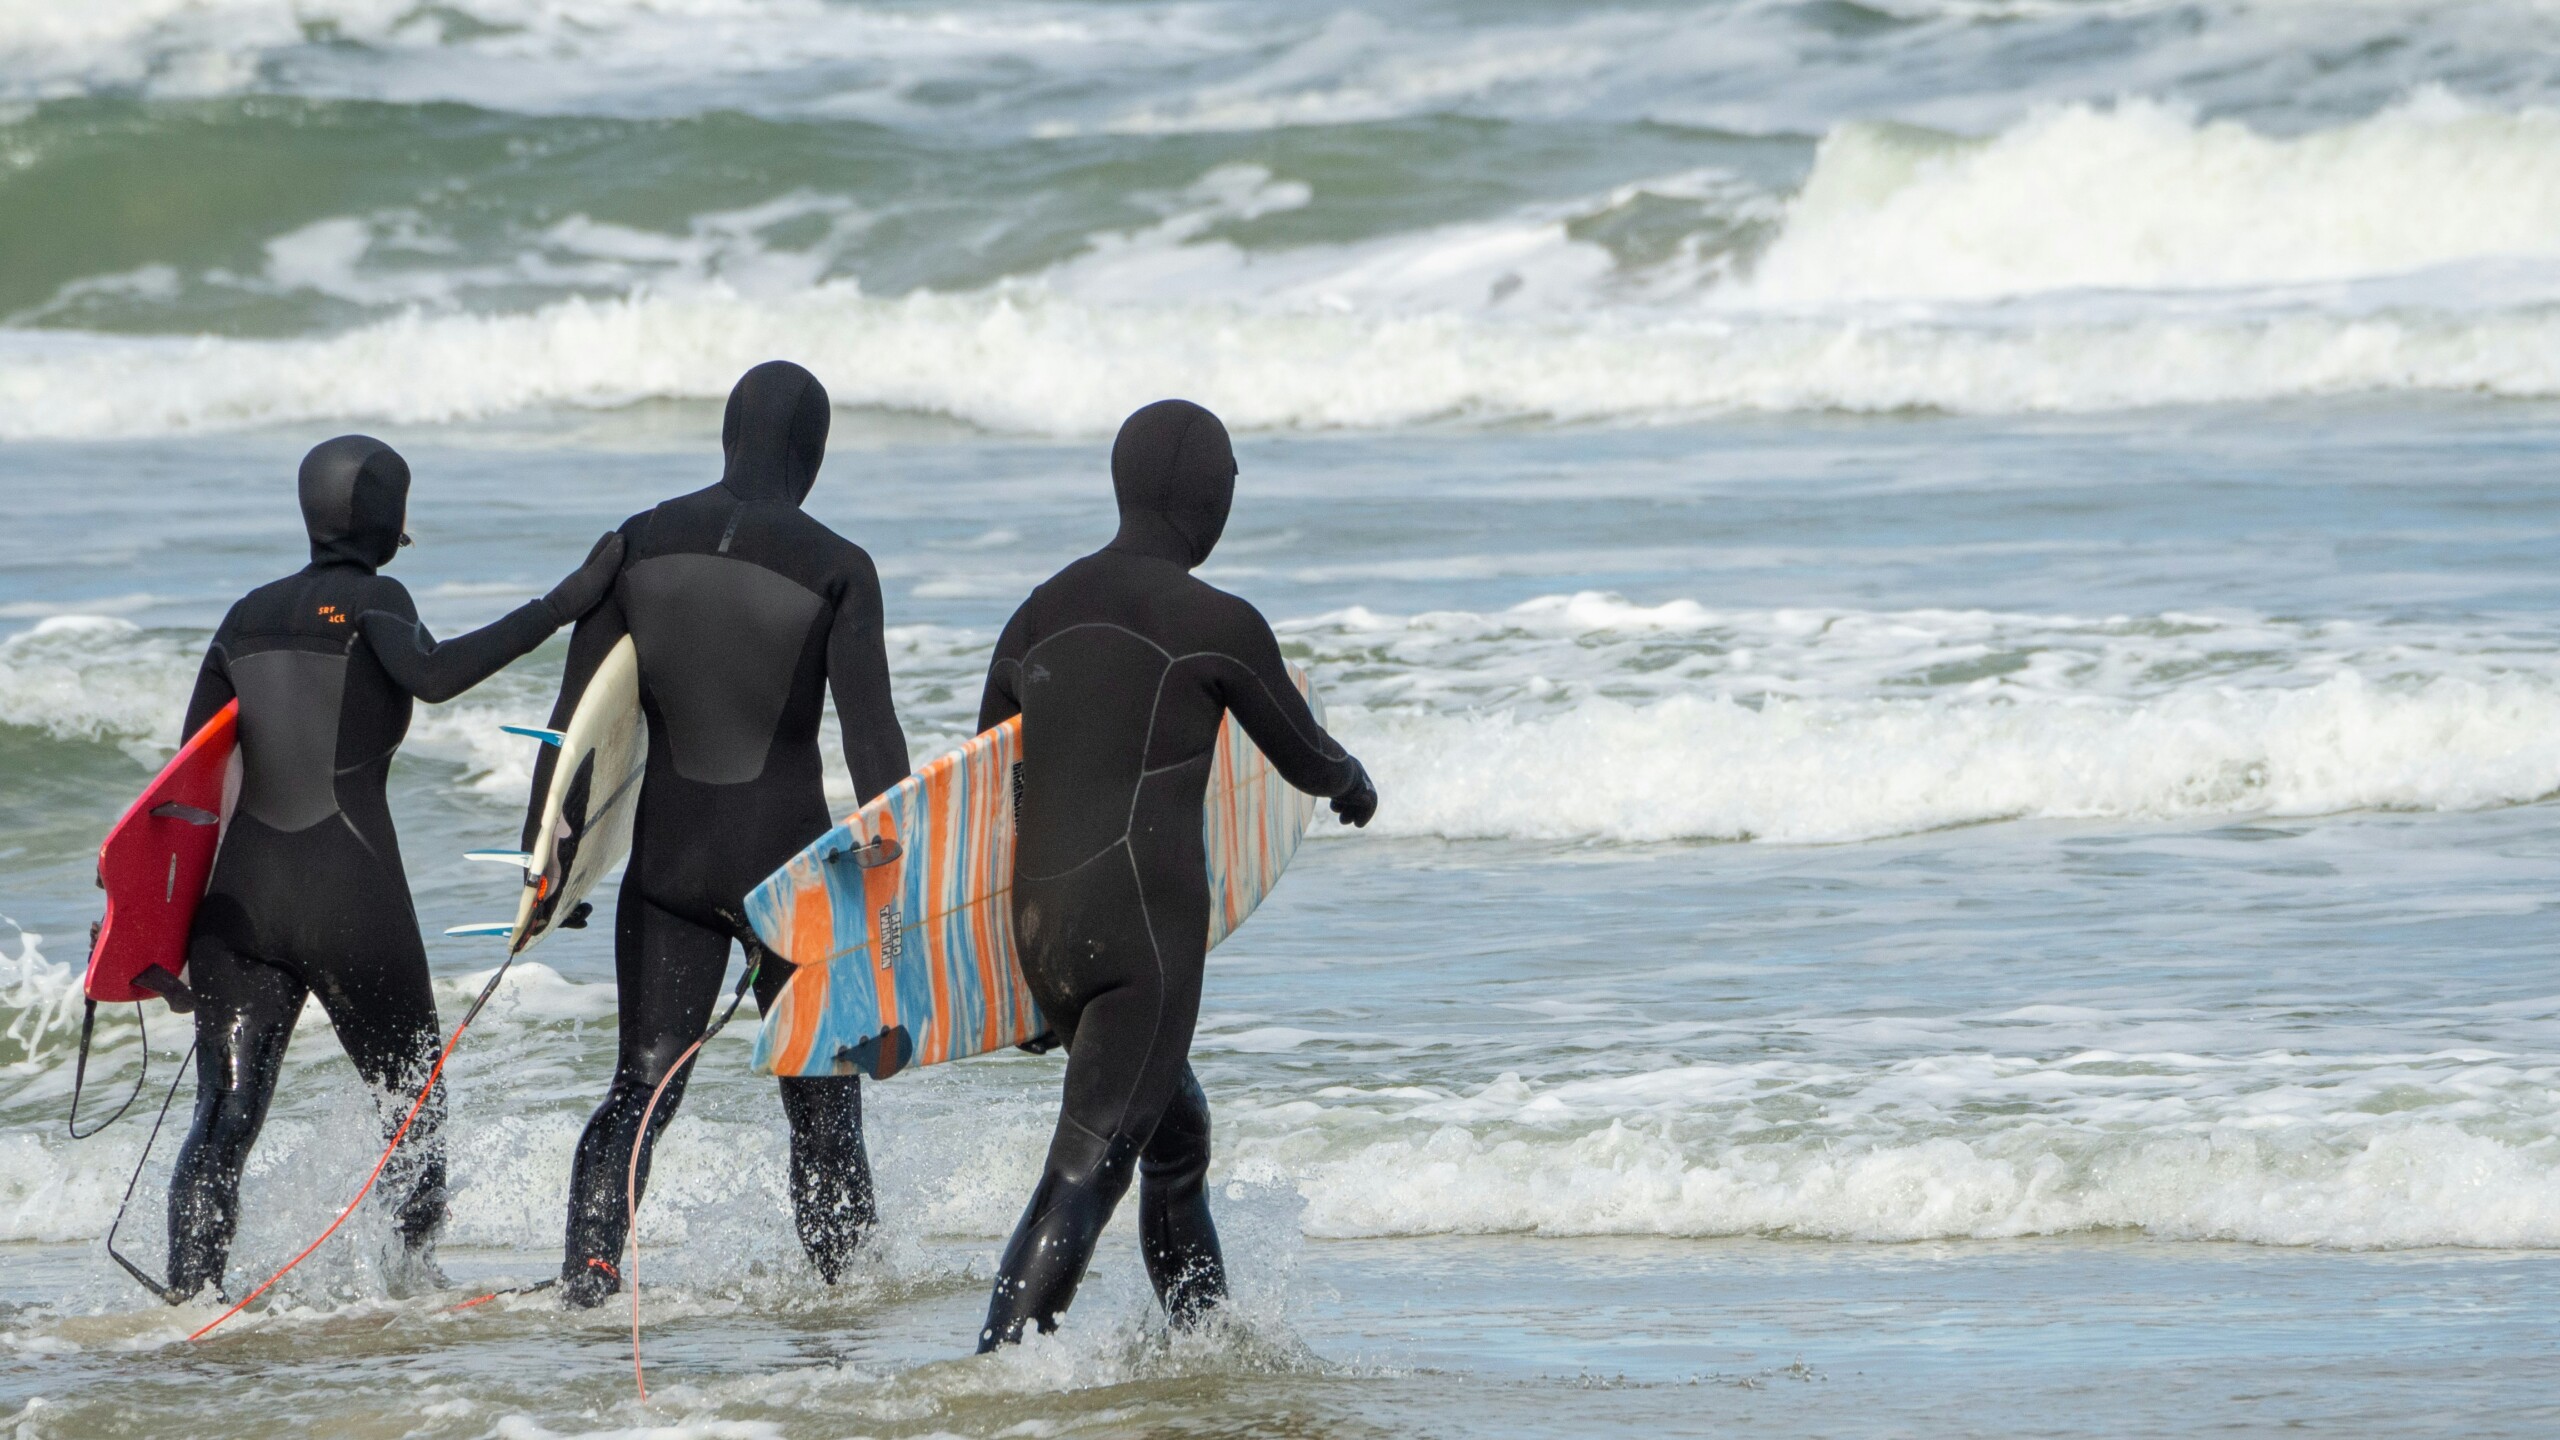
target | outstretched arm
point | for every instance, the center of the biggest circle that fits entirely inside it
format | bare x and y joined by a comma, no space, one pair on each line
875,749
436,672
1256,687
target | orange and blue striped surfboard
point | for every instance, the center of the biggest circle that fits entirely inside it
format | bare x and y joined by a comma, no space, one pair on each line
900,920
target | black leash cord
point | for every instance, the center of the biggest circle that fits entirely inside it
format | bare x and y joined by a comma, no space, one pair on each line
737,997
80,1070
154,1286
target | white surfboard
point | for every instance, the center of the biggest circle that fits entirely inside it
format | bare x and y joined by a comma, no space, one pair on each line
587,813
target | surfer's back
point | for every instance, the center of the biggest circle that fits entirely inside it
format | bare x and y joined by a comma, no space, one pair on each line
1123,665
729,602
315,709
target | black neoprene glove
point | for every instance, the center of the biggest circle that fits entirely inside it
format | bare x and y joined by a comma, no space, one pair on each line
1360,802
585,588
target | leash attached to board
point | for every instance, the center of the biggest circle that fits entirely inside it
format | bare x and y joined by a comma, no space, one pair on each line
639,1138
80,1070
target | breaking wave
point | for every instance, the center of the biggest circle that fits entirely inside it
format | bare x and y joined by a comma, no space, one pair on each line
2084,258
1588,717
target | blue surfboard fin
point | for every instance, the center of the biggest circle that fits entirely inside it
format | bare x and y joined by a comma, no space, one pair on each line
491,928
552,738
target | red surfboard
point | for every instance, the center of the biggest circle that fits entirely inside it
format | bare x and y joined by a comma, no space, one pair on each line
154,866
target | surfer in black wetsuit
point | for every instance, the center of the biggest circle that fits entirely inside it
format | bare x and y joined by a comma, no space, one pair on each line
746,613
1122,667
308,896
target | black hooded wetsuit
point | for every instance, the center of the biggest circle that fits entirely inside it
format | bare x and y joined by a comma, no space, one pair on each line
308,895
1123,666
745,612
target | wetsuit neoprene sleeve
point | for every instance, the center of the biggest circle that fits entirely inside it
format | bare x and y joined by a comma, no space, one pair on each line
1123,667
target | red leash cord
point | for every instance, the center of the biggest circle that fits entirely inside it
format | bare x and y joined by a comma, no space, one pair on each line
631,1211
434,1073
631,1176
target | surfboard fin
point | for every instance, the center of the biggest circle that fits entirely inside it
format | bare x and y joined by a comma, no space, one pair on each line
157,980
493,928
193,815
518,858
552,738
879,1057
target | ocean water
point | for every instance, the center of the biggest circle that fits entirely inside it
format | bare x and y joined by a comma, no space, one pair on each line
1956,604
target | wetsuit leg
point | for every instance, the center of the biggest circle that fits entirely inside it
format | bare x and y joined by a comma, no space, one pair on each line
831,1198
1087,1173
1175,1233
1128,1045
244,1017
668,972
383,1006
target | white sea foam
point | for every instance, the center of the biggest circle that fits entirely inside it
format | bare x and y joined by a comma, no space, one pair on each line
94,677
532,993
1878,1135
2409,251
2142,196
1866,1140
565,54
1588,716
2409,1186
1224,65
1789,770
1027,360
2391,1129
41,998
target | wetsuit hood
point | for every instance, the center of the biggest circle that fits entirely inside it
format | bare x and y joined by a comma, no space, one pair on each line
355,496
775,433
1174,473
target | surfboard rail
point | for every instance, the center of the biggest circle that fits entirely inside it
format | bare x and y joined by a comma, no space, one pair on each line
587,812
154,864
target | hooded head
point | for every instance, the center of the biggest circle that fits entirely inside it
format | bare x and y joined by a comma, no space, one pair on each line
775,433
355,497
1175,475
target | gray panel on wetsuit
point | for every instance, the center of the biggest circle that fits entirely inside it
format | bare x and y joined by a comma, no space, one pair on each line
720,641
289,701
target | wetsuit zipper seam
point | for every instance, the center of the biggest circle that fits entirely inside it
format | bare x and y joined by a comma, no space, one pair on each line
1155,1023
